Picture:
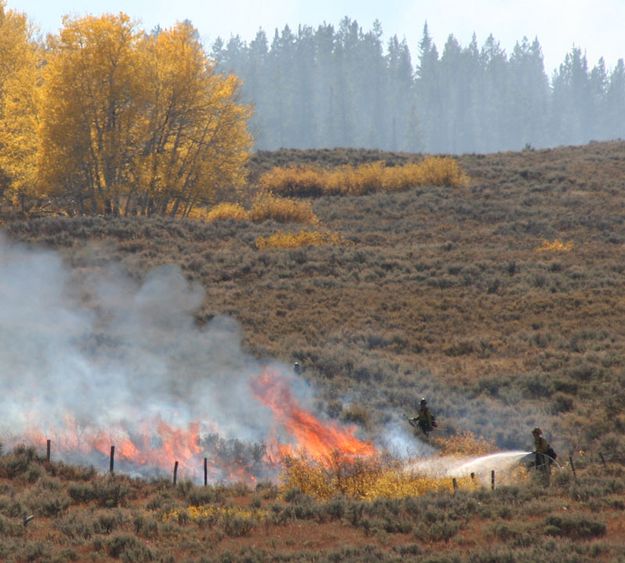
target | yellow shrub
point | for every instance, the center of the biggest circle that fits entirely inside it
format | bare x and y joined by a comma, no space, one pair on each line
555,246
359,180
442,171
303,181
283,239
399,484
214,513
293,181
283,210
224,212
368,478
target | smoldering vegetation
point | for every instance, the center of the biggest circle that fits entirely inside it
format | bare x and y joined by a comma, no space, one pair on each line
89,355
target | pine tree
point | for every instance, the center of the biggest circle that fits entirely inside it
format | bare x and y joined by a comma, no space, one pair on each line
615,102
428,91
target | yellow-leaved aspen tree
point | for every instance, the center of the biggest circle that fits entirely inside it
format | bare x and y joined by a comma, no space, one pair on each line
91,112
18,107
196,138
136,123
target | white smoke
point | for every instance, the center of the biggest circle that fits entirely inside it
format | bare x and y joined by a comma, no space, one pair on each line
505,465
115,353
399,440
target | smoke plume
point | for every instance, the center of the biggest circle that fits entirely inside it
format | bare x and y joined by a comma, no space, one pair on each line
92,358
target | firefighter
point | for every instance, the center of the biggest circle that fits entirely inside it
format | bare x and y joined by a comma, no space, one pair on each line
542,451
424,419
297,368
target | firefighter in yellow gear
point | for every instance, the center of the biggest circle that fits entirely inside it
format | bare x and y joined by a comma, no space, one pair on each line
424,419
541,450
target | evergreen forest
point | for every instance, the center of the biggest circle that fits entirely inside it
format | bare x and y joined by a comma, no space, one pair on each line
344,87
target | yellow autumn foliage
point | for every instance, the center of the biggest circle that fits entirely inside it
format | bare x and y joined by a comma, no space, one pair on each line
555,246
306,181
366,479
135,123
225,211
19,119
214,513
268,207
283,239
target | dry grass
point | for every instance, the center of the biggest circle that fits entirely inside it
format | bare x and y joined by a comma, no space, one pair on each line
300,239
463,444
282,210
266,207
363,478
363,179
555,246
221,212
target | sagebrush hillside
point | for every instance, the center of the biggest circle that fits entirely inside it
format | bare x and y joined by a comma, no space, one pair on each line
501,301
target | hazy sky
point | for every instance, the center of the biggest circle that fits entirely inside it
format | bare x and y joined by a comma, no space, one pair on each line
594,25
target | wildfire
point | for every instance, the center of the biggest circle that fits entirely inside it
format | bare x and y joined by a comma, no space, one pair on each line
157,445
312,437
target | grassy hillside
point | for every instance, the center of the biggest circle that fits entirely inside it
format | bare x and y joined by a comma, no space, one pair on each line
501,302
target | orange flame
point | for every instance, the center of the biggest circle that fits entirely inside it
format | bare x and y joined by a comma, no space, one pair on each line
157,444
313,438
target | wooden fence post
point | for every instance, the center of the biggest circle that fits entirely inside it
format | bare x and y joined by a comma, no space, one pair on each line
605,465
48,448
112,460
175,473
455,485
573,467
205,471
492,480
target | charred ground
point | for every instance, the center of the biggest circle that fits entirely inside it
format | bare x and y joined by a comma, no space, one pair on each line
459,294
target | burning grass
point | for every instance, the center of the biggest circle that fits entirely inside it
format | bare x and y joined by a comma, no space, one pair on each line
302,181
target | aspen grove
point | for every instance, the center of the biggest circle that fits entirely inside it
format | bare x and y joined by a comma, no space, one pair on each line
110,119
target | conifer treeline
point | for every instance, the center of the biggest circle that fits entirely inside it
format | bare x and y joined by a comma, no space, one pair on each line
330,87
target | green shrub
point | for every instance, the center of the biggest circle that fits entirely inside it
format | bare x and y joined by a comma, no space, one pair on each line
237,526
145,526
110,491
106,521
574,526
76,526
45,502
17,463
128,548
10,527
199,496
81,492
